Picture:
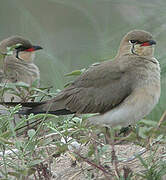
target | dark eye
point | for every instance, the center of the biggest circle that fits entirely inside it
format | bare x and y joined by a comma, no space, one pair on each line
133,41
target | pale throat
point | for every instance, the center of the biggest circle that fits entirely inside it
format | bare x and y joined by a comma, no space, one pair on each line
142,50
27,56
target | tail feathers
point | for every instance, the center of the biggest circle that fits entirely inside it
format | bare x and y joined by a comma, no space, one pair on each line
35,108
57,112
24,104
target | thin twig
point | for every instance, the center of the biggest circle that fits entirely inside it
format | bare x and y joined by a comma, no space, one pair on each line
162,119
93,164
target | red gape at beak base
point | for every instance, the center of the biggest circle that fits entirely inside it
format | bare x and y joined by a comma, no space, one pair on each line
30,49
146,44
33,48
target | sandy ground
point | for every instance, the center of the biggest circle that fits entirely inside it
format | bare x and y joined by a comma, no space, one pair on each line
63,169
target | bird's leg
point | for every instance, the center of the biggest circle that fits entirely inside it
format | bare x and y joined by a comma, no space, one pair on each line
110,140
107,136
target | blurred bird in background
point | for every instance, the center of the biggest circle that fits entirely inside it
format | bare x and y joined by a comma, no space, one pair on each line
19,66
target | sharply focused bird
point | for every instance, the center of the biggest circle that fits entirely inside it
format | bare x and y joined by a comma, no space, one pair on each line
19,66
122,91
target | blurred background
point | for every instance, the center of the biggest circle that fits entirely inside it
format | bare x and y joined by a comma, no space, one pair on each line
77,33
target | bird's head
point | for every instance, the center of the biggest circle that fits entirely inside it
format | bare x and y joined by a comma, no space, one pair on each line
137,42
24,51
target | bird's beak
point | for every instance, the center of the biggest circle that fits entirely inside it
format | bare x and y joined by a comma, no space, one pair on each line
37,48
149,43
33,48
